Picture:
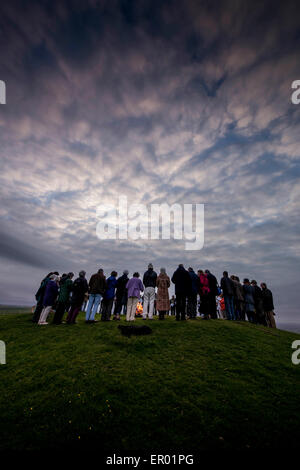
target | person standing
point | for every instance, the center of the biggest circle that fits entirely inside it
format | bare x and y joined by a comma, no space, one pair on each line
173,305
192,297
204,294
213,292
249,300
258,304
97,287
221,306
227,287
121,294
80,288
134,287
183,286
162,299
149,281
49,298
109,296
39,298
239,301
65,285
268,305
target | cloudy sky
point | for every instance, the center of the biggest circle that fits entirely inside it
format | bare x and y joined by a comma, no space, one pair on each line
164,102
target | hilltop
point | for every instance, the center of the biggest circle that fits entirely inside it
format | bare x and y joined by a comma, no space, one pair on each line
195,385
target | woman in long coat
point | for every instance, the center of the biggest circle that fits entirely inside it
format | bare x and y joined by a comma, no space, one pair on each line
162,298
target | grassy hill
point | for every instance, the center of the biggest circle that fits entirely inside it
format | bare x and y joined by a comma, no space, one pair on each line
190,386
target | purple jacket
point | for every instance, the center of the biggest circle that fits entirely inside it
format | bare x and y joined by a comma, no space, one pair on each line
50,293
134,286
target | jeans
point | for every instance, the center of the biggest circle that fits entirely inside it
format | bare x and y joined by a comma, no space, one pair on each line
229,305
94,302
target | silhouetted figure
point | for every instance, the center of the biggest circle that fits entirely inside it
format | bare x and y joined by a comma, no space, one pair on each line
183,286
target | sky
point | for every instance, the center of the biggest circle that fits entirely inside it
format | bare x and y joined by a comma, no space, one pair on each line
184,102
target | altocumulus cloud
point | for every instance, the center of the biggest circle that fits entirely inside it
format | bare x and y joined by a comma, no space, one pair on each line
169,101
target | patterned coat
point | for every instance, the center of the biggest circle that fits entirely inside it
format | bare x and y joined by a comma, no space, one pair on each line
162,299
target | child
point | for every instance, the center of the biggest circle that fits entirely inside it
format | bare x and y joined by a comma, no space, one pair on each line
221,306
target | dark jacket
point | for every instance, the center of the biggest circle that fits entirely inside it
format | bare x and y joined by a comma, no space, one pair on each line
121,286
249,297
149,279
110,289
213,284
97,284
182,281
267,299
41,291
50,293
227,286
195,282
66,286
238,291
257,294
80,287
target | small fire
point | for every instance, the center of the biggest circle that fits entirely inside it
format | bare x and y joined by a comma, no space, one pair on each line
139,309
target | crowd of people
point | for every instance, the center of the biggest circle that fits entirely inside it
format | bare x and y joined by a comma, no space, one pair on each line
196,295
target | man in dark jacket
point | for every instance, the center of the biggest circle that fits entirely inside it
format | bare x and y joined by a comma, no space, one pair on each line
192,296
97,287
268,305
227,287
213,292
258,303
121,294
149,281
183,287
80,288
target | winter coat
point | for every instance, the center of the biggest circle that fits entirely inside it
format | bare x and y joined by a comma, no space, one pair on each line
162,298
267,300
213,284
50,293
149,279
238,291
227,286
97,284
182,281
121,286
195,282
110,289
65,290
80,287
134,287
41,291
249,298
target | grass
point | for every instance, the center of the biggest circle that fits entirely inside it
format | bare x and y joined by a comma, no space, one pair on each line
192,386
